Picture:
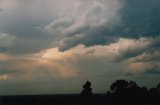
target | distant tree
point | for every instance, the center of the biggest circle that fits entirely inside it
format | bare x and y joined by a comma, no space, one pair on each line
143,91
123,91
158,88
125,88
154,96
87,90
153,91
132,84
119,86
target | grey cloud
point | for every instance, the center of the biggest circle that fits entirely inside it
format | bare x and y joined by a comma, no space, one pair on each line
6,40
154,70
146,62
29,39
136,20
86,27
8,72
20,22
4,49
90,51
92,22
98,22
140,18
141,45
148,56
27,45
70,42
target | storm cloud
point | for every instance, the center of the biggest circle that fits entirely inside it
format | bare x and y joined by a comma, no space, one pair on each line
53,42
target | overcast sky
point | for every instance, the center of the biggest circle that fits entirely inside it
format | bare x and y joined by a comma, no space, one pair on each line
54,46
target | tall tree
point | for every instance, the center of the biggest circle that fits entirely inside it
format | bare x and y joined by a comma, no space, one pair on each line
87,90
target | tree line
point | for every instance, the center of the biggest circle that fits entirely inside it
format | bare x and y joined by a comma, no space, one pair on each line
123,91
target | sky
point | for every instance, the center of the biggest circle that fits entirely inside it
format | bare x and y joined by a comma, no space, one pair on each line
55,46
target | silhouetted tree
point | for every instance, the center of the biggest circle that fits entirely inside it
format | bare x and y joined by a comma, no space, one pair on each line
144,91
153,91
158,88
87,90
132,84
119,87
127,89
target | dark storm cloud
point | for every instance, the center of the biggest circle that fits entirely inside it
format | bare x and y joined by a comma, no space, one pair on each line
69,42
101,23
137,19
109,31
87,23
141,18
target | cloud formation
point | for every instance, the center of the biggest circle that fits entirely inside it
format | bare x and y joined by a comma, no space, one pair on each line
134,53
98,25
84,22
5,77
89,22
54,42
6,40
147,62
